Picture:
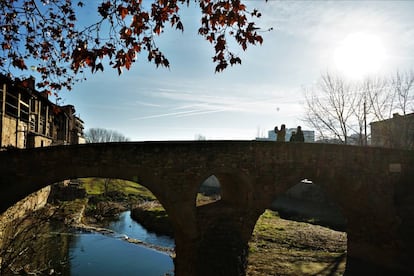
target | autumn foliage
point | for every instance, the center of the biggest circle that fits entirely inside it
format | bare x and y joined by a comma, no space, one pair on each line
46,35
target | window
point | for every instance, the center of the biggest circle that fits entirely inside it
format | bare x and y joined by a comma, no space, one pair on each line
24,107
1,99
11,104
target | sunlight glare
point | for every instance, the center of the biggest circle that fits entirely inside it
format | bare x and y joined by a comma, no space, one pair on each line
359,55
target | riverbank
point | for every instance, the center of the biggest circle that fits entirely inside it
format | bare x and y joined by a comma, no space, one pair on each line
284,247
278,246
153,217
74,215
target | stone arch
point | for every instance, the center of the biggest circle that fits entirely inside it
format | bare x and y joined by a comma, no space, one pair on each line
35,240
298,176
177,216
221,226
140,181
209,191
284,180
294,248
235,186
144,180
309,202
158,190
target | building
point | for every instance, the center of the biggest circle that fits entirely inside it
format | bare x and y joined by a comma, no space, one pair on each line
309,135
396,132
29,119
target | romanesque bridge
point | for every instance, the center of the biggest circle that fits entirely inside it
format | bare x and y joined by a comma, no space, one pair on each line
373,187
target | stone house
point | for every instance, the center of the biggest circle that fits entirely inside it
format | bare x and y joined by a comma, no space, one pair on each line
396,132
29,119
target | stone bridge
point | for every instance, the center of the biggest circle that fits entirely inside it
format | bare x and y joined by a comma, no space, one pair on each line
372,186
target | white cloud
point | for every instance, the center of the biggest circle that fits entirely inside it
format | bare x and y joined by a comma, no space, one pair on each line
184,104
139,102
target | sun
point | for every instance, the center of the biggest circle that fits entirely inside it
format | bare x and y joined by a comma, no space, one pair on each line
359,55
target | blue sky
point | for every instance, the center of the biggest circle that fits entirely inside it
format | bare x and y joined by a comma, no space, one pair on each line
189,99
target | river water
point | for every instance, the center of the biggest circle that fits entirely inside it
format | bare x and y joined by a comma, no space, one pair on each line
127,226
97,254
67,252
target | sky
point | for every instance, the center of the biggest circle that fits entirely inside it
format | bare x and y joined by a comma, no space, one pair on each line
188,100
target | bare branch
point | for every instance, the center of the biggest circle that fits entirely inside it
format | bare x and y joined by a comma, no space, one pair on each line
102,135
339,109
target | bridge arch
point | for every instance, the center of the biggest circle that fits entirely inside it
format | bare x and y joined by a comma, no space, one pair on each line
282,223
230,182
309,201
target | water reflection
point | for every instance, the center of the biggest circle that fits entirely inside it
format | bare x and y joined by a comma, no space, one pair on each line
44,248
126,225
96,254
33,246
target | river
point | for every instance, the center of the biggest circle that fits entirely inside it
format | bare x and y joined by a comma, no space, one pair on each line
65,251
127,226
97,254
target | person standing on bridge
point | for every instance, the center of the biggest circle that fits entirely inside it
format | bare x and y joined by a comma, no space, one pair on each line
299,135
280,134
293,137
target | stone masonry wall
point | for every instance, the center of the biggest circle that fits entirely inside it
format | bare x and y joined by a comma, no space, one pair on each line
40,141
32,202
9,132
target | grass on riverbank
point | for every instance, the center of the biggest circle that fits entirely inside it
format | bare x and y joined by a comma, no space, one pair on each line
153,217
284,247
96,186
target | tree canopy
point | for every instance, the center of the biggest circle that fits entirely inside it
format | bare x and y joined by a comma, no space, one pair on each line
46,35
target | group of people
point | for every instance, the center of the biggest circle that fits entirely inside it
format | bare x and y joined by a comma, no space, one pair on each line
297,136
